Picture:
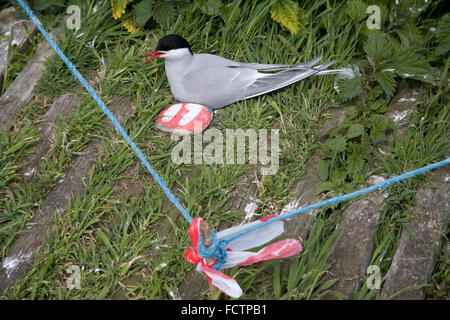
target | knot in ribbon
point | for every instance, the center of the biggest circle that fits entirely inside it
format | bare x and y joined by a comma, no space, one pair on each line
217,250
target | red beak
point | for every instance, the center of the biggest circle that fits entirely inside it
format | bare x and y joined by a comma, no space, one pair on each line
155,54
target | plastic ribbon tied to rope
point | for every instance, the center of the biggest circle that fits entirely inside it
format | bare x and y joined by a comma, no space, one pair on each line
227,254
228,247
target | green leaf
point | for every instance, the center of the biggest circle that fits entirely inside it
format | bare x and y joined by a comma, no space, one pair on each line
102,294
365,142
336,131
378,105
142,12
184,6
348,188
355,164
410,35
286,13
356,149
338,176
379,124
209,7
443,35
411,9
386,79
104,238
409,64
15,147
325,186
349,86
322,169
378,47
351,112
164,13
355,130
276,281
375,92
356,10
337,144
118,7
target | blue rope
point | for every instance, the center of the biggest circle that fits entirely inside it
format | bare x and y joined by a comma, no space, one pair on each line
108,113
344,197
217,248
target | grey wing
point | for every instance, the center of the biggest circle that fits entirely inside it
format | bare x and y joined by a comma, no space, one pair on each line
274,67
271,82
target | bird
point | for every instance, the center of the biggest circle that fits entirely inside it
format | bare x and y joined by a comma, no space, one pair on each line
216,82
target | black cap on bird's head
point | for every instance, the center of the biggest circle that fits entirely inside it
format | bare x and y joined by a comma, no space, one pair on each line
171,42
167,43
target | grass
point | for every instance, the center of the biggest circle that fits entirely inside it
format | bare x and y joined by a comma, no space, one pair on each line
132,247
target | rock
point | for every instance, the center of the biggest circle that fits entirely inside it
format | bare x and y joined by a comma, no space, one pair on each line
18,261
299,225
420,241
130,184
336,117
61,107
20,91
30,241
305,190
354,245
401,108
21,30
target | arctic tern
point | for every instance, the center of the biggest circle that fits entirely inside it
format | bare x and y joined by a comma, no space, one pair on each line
216,82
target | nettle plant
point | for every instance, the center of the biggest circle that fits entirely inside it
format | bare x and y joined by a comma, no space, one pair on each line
400,49
348,147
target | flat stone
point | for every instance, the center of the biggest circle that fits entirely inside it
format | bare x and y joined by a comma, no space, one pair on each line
305,190
421,239
31,240
61,107
401,108
130,184
354,245
20,91
21,30
336,116
192,285
20,257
